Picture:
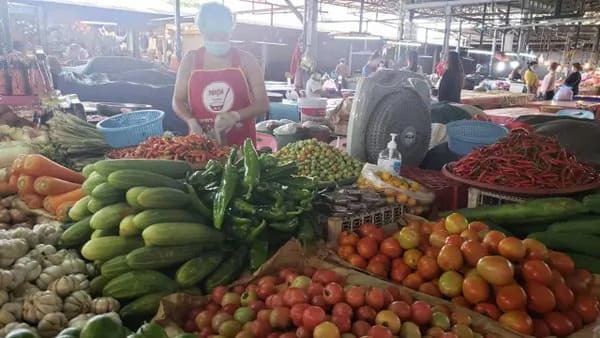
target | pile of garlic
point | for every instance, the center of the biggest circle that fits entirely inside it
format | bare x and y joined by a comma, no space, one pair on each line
42,288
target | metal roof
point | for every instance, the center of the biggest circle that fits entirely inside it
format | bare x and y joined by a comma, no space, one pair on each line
156,7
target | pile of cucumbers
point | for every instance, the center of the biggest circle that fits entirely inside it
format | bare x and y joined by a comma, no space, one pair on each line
562,224
154,227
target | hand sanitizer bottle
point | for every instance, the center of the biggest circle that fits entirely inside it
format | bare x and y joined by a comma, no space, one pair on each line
390,158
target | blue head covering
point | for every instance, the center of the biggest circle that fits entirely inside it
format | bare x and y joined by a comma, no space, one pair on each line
214,17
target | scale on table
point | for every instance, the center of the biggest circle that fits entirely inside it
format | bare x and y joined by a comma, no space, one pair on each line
391,101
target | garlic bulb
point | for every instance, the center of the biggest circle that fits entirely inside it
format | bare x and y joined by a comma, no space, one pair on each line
82,282
105,304
73,265
77,303
16,326
4,297
6,317
48,233
80,320
32,266
11,250
15,309
29,314
48,275
26,289
46,302
64,285
12,279
51,324
27,234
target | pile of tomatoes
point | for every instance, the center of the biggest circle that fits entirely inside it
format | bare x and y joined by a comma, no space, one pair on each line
520,283
317,304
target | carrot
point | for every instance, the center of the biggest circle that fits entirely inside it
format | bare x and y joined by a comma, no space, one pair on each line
7,189
17,164
52,202
34,201
38,165
63,210
25,184
46,185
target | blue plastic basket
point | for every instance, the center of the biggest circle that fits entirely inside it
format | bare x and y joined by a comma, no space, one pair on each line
466,135
129,129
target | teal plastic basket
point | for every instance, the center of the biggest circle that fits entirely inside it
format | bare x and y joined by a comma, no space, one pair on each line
466,135
129,129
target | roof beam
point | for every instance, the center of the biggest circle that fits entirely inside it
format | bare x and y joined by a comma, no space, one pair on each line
436,4
294,10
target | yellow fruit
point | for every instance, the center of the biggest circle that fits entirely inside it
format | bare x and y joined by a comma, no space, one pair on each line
412,202
401,198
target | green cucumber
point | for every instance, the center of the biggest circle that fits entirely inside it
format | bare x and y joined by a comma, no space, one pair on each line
143,306
138,283
173,169
104,233
196,269
163,198
592,202
110,216
126,179
91,182
115,267
105,248
94,205
148,217
585,262
132,195
228,271
97,284
98,326
87,170
106,193
79,210
583,225
167,234
77,234
157,257
127,227
573,242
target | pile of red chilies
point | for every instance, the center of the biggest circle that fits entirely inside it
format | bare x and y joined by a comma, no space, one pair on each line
525,160
196,149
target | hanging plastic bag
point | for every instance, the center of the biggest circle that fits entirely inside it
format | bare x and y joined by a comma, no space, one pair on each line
564,93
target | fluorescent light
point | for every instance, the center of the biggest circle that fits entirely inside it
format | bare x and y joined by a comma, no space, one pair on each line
479,51
98,23
355,36
514,64
500,66
527,55
405,43
270,43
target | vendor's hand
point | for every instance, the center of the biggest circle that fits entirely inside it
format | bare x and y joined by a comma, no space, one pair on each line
225,121
194,127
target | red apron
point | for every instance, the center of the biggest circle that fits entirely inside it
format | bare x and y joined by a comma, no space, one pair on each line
215,91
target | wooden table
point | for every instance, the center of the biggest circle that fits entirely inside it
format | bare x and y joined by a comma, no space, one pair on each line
505,116
553,107
494,99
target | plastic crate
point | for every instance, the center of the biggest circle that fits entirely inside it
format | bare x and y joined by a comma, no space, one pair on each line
381,217
449,195
478,197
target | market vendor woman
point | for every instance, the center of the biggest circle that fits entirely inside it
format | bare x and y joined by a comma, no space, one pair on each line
220,90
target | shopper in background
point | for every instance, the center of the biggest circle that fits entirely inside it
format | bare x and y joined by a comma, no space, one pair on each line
574,78
531,78
220,90
342,69
515,75
372,65
452,81
549,82
440,68
314,87
413,62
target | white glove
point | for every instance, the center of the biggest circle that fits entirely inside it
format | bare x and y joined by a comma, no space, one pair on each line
225,121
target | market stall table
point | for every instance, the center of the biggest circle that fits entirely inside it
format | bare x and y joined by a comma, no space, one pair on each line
554,107
494,99
507,115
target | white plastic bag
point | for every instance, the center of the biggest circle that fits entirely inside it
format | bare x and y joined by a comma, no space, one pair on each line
564,93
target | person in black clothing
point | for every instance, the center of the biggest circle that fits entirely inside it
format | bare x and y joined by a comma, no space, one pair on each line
453,79
574,78
515,75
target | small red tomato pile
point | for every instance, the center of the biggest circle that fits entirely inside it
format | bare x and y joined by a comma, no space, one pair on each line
318,304
522,284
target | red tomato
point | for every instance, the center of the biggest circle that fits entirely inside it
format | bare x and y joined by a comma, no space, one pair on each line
296,312
401,309
429,288
381,258
511,297
355,296
303,332
378,331
260,328
473,251
478,226
540,329
333,293
342,309
518,321
325,277
293,296
358,261
315,289
377,268
313,316
367,247
286,272
496,270
475,289
265,290
360,328
345,251
580,281
266,279
539,297
561,262
512,248
347,238
320,301
575,318
492,239
454,240
375,298
535,270
217,294
565,298
450,258
421,312
413,281
377,234
399,271
343,323
366,313
366,228
427,268
390,247
535,249
587,308
488,309
559,324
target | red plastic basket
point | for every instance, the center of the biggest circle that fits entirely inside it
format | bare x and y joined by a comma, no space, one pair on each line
449,195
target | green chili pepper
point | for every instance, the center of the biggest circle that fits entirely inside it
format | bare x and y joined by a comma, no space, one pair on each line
197,203
257,231
259,253
243,207
306,232
241,221
209,175
267,161
281,171
300,182
239,231
287,226
272,214
278,197
252,167
299,194
226,190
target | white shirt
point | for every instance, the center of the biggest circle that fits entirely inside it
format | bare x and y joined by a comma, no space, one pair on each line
313,87
548,83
